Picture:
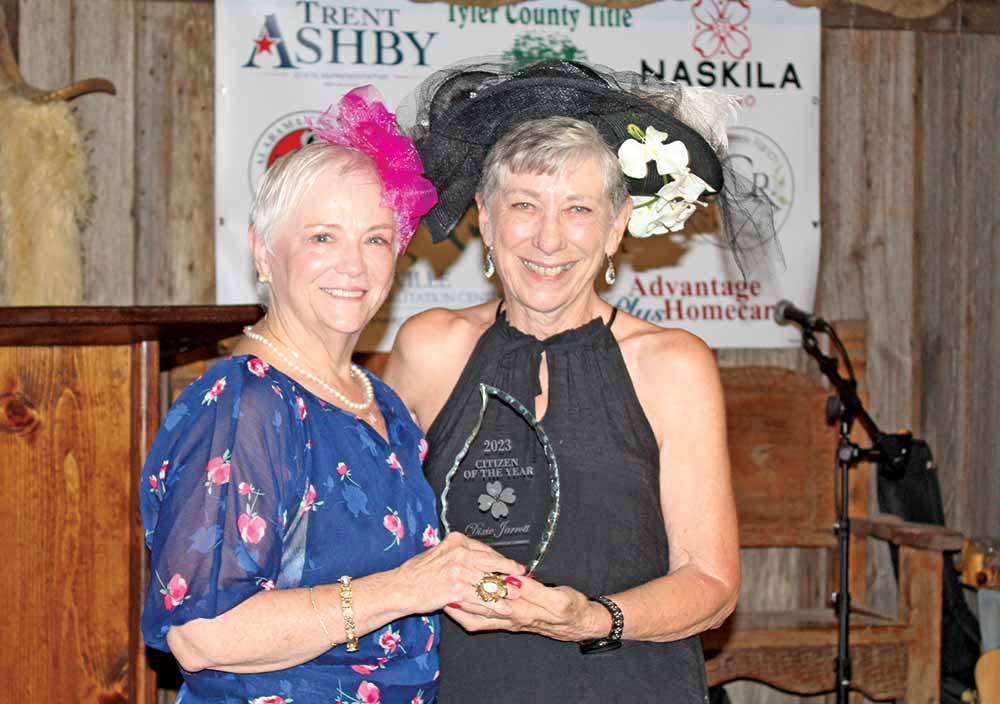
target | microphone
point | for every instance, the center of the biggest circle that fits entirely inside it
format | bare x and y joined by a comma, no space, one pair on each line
786,312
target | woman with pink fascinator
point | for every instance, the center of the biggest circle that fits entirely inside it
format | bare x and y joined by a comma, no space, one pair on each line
294,546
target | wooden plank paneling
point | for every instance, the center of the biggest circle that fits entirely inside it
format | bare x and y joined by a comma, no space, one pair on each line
979,169
943,296
104,47
174,153
45,43
67,538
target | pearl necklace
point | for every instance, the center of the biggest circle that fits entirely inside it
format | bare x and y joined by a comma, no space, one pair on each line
356,373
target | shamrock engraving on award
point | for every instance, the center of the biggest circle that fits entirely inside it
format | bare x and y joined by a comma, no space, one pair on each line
503,487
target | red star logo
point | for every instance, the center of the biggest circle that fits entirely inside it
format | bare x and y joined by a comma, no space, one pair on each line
265,43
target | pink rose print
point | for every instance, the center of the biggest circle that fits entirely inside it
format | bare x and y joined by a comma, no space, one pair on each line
393,463
394,525
389,640
430,643
418,698
301,405
423,449
214,392
175,592
163,469
271,699
257,366
277,390
266,584
153,482
721,27
252,528
368,693
364,669
309,444
245,489
309,502
342,469
217,470
430,536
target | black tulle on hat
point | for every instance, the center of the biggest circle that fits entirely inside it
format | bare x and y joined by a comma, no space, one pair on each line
457,114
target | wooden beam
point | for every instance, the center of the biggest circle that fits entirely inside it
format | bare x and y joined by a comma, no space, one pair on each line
968,16
9,15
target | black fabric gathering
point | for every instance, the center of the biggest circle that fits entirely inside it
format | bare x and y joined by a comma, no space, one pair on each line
610,535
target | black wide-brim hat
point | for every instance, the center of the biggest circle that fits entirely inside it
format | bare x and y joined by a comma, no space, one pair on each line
461,112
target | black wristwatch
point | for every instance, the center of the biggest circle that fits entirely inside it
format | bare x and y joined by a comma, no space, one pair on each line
613,640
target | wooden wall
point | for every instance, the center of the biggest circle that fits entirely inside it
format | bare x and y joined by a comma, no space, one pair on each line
910,216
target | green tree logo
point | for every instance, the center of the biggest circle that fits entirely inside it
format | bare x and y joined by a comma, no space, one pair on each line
538,46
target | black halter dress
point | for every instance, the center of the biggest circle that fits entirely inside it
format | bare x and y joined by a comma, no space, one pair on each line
610,534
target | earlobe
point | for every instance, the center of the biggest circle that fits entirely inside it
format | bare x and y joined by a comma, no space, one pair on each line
485,232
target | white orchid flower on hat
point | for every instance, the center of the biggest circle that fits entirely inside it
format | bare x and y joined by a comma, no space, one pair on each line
675,202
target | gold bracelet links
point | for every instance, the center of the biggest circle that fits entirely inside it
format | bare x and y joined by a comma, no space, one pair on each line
322,623
347,610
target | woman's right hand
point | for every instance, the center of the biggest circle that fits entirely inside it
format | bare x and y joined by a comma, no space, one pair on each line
447,574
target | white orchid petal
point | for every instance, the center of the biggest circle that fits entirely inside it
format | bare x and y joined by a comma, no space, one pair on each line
671,158
633,158
654,136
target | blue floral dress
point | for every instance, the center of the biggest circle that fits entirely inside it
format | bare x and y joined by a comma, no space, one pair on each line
254,483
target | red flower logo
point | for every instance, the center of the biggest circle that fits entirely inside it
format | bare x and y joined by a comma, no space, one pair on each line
175,593
214,392
722,27
423,449
301,405
218,470
430,536
257,366
252,528
368,693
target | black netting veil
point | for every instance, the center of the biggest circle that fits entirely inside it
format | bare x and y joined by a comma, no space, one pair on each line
456,115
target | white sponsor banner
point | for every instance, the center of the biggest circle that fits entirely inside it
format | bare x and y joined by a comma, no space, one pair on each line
279,61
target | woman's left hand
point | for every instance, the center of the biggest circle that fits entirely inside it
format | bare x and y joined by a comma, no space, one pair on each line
561,613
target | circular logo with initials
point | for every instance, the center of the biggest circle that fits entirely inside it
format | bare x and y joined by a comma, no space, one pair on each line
286,134
760,159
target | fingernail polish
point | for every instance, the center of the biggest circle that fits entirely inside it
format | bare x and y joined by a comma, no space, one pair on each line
512,580
455,606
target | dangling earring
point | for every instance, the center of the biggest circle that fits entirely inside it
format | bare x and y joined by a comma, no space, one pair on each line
488,268
262,279
609,274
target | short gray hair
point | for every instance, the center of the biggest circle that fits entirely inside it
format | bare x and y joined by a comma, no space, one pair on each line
547,146
292,175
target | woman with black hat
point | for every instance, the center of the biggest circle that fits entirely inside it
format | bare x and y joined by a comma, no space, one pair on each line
645,555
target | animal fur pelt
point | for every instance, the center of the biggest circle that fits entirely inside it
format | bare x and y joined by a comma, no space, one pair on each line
45,199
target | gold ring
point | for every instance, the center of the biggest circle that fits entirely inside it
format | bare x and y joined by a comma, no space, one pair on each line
491,587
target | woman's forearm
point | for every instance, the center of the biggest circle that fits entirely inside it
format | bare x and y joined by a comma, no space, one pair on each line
681,604
276,629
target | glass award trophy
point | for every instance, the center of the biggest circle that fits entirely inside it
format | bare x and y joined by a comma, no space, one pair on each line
503,487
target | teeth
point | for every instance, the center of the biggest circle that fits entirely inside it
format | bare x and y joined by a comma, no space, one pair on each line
343,292
546,270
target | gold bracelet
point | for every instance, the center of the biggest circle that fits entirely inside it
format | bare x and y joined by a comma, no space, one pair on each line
322,623
347,610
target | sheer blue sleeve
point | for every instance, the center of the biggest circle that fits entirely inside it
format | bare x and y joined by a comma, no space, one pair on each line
216,488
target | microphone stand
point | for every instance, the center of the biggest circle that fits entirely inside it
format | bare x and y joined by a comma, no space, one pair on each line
845,408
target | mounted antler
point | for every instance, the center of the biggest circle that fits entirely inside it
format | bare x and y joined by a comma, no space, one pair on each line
11,79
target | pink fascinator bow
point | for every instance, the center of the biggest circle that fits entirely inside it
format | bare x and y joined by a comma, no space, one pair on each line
361,121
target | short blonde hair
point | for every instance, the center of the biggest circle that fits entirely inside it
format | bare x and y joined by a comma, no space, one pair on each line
548,146
292,175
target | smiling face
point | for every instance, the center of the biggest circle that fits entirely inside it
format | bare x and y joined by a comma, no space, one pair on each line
551,234
332,256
